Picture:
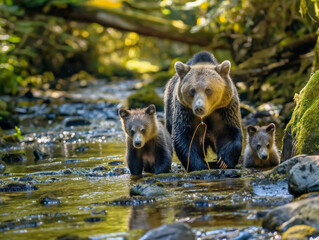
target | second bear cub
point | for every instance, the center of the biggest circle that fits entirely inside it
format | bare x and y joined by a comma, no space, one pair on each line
261,150
148,144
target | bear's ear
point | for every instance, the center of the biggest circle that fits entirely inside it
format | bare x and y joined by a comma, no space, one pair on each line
224,68
251,130
270,128
124,113
150,110
181,69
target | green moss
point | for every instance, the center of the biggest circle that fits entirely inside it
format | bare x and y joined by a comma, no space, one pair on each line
145,97
159,80
304,124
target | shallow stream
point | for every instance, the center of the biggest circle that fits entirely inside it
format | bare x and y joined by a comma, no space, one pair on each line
88,185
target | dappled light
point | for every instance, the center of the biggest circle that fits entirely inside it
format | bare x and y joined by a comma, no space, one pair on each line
226,136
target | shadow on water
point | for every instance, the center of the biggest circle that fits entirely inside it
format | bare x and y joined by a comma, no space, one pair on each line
83,173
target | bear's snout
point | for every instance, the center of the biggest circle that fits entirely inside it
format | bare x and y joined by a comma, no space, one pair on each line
199,108
138,140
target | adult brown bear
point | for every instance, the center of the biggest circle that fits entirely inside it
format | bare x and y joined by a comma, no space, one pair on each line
203,89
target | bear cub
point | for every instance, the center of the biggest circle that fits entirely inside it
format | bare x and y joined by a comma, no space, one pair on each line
148,144
261,150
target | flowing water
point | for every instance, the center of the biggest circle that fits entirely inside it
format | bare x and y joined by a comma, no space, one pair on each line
85,175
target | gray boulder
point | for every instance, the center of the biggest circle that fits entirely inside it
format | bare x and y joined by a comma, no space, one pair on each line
304,212
173,231
304,176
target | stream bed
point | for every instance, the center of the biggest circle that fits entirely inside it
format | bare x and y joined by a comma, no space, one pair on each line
67,179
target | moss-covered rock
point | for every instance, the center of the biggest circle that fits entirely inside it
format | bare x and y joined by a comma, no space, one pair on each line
302,132
145,97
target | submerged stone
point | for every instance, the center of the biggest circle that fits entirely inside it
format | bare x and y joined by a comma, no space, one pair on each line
75,121
173,231
115,163
82,149
94,219
132,201
18,224
11,158
148,190
70,237
17,187
48,201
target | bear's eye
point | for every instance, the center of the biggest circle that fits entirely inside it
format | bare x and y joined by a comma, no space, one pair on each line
132,132
208,91
258,146
142,130
192,92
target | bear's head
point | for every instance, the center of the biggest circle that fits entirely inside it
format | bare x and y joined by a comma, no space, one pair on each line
139,124
204,87
261,139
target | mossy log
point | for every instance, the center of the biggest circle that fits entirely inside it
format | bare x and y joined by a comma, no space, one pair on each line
302,132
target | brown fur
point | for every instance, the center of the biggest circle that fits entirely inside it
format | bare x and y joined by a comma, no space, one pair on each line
148,144
202,89
261,150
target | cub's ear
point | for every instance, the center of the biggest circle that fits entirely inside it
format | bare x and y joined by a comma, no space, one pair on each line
251,130
150,110
270,128
223,68
181,69
124,113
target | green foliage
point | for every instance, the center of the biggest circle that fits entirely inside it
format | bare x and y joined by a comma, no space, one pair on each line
145,97
18,133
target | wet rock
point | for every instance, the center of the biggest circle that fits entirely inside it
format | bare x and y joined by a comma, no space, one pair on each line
51,116
94,219
248,233
99,168
299,232
18,224
82,149
17,187
67,171
14,158
304,176
96,212
174,231
304,212
115,163
48,201
70,237
201,175
39,155
71,161
11,139
2,166
133,201
75,121
120,171
148,190
25,179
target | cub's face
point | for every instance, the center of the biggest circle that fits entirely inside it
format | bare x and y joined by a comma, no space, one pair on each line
261,139
139,125
204,87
